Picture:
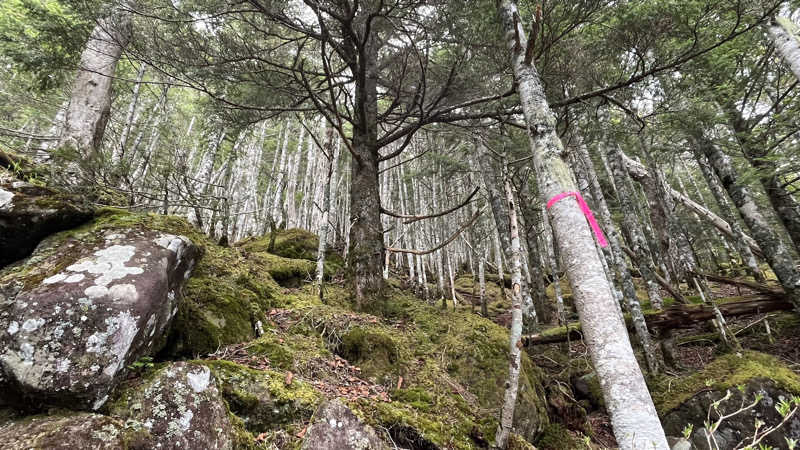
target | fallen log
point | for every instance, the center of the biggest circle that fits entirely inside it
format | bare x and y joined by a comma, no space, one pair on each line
743,283
680,316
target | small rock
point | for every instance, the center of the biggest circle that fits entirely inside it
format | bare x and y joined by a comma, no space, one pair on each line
337,428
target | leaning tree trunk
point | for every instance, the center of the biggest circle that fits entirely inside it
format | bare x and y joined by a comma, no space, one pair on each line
783,34
775,250
618,259
630,222
633,415
90,101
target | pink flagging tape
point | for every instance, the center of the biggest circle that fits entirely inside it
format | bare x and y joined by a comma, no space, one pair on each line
601,239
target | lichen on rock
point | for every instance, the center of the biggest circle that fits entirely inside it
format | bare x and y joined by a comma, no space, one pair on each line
87,304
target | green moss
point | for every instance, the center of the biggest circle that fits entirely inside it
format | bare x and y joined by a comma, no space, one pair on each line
261,399
295,243
556,437
415,397
372,348
725,372
294,350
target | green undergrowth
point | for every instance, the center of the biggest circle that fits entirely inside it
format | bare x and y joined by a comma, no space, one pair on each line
453,364
725,372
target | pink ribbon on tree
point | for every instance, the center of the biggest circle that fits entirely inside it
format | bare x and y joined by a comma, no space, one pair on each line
601,239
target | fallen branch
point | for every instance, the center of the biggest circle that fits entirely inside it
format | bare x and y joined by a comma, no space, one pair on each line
681,316
744,283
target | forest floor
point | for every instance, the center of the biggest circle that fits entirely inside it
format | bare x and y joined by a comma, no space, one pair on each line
775,333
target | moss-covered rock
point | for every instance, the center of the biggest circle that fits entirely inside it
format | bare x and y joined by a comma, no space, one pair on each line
180,405
689,399
29,213
69,431
295,243
262,399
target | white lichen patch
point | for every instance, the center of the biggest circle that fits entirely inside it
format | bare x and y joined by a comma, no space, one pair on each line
32,325
5,198
200,379
109,264
13,327
124,292
115,341
75,278
186,420
55,278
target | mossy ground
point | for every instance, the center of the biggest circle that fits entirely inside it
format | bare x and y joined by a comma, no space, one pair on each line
452,363
725,372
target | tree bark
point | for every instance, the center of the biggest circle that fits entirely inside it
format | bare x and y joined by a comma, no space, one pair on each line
366,253
619,261
775,250
783,34
633,415
512,383
90,101
740,243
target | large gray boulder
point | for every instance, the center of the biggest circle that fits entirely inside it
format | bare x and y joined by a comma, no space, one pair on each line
180,406
337,428
82,308
29,213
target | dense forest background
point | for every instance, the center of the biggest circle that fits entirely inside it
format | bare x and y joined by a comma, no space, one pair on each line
570,170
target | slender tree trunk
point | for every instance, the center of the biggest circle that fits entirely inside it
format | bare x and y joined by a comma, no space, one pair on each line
501,215
784,36
727,213
118,153
90,101
324,229
633,415
512,383
775,250
631,224
482,280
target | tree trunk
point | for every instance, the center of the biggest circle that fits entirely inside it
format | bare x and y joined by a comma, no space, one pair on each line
727,213
630,221
775,250
324,228
501,214
619,261
783,34
90,101
366,253
633,415
512,383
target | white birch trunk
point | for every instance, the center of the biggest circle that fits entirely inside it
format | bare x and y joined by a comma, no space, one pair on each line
784,36
633,416
90,101
512,383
